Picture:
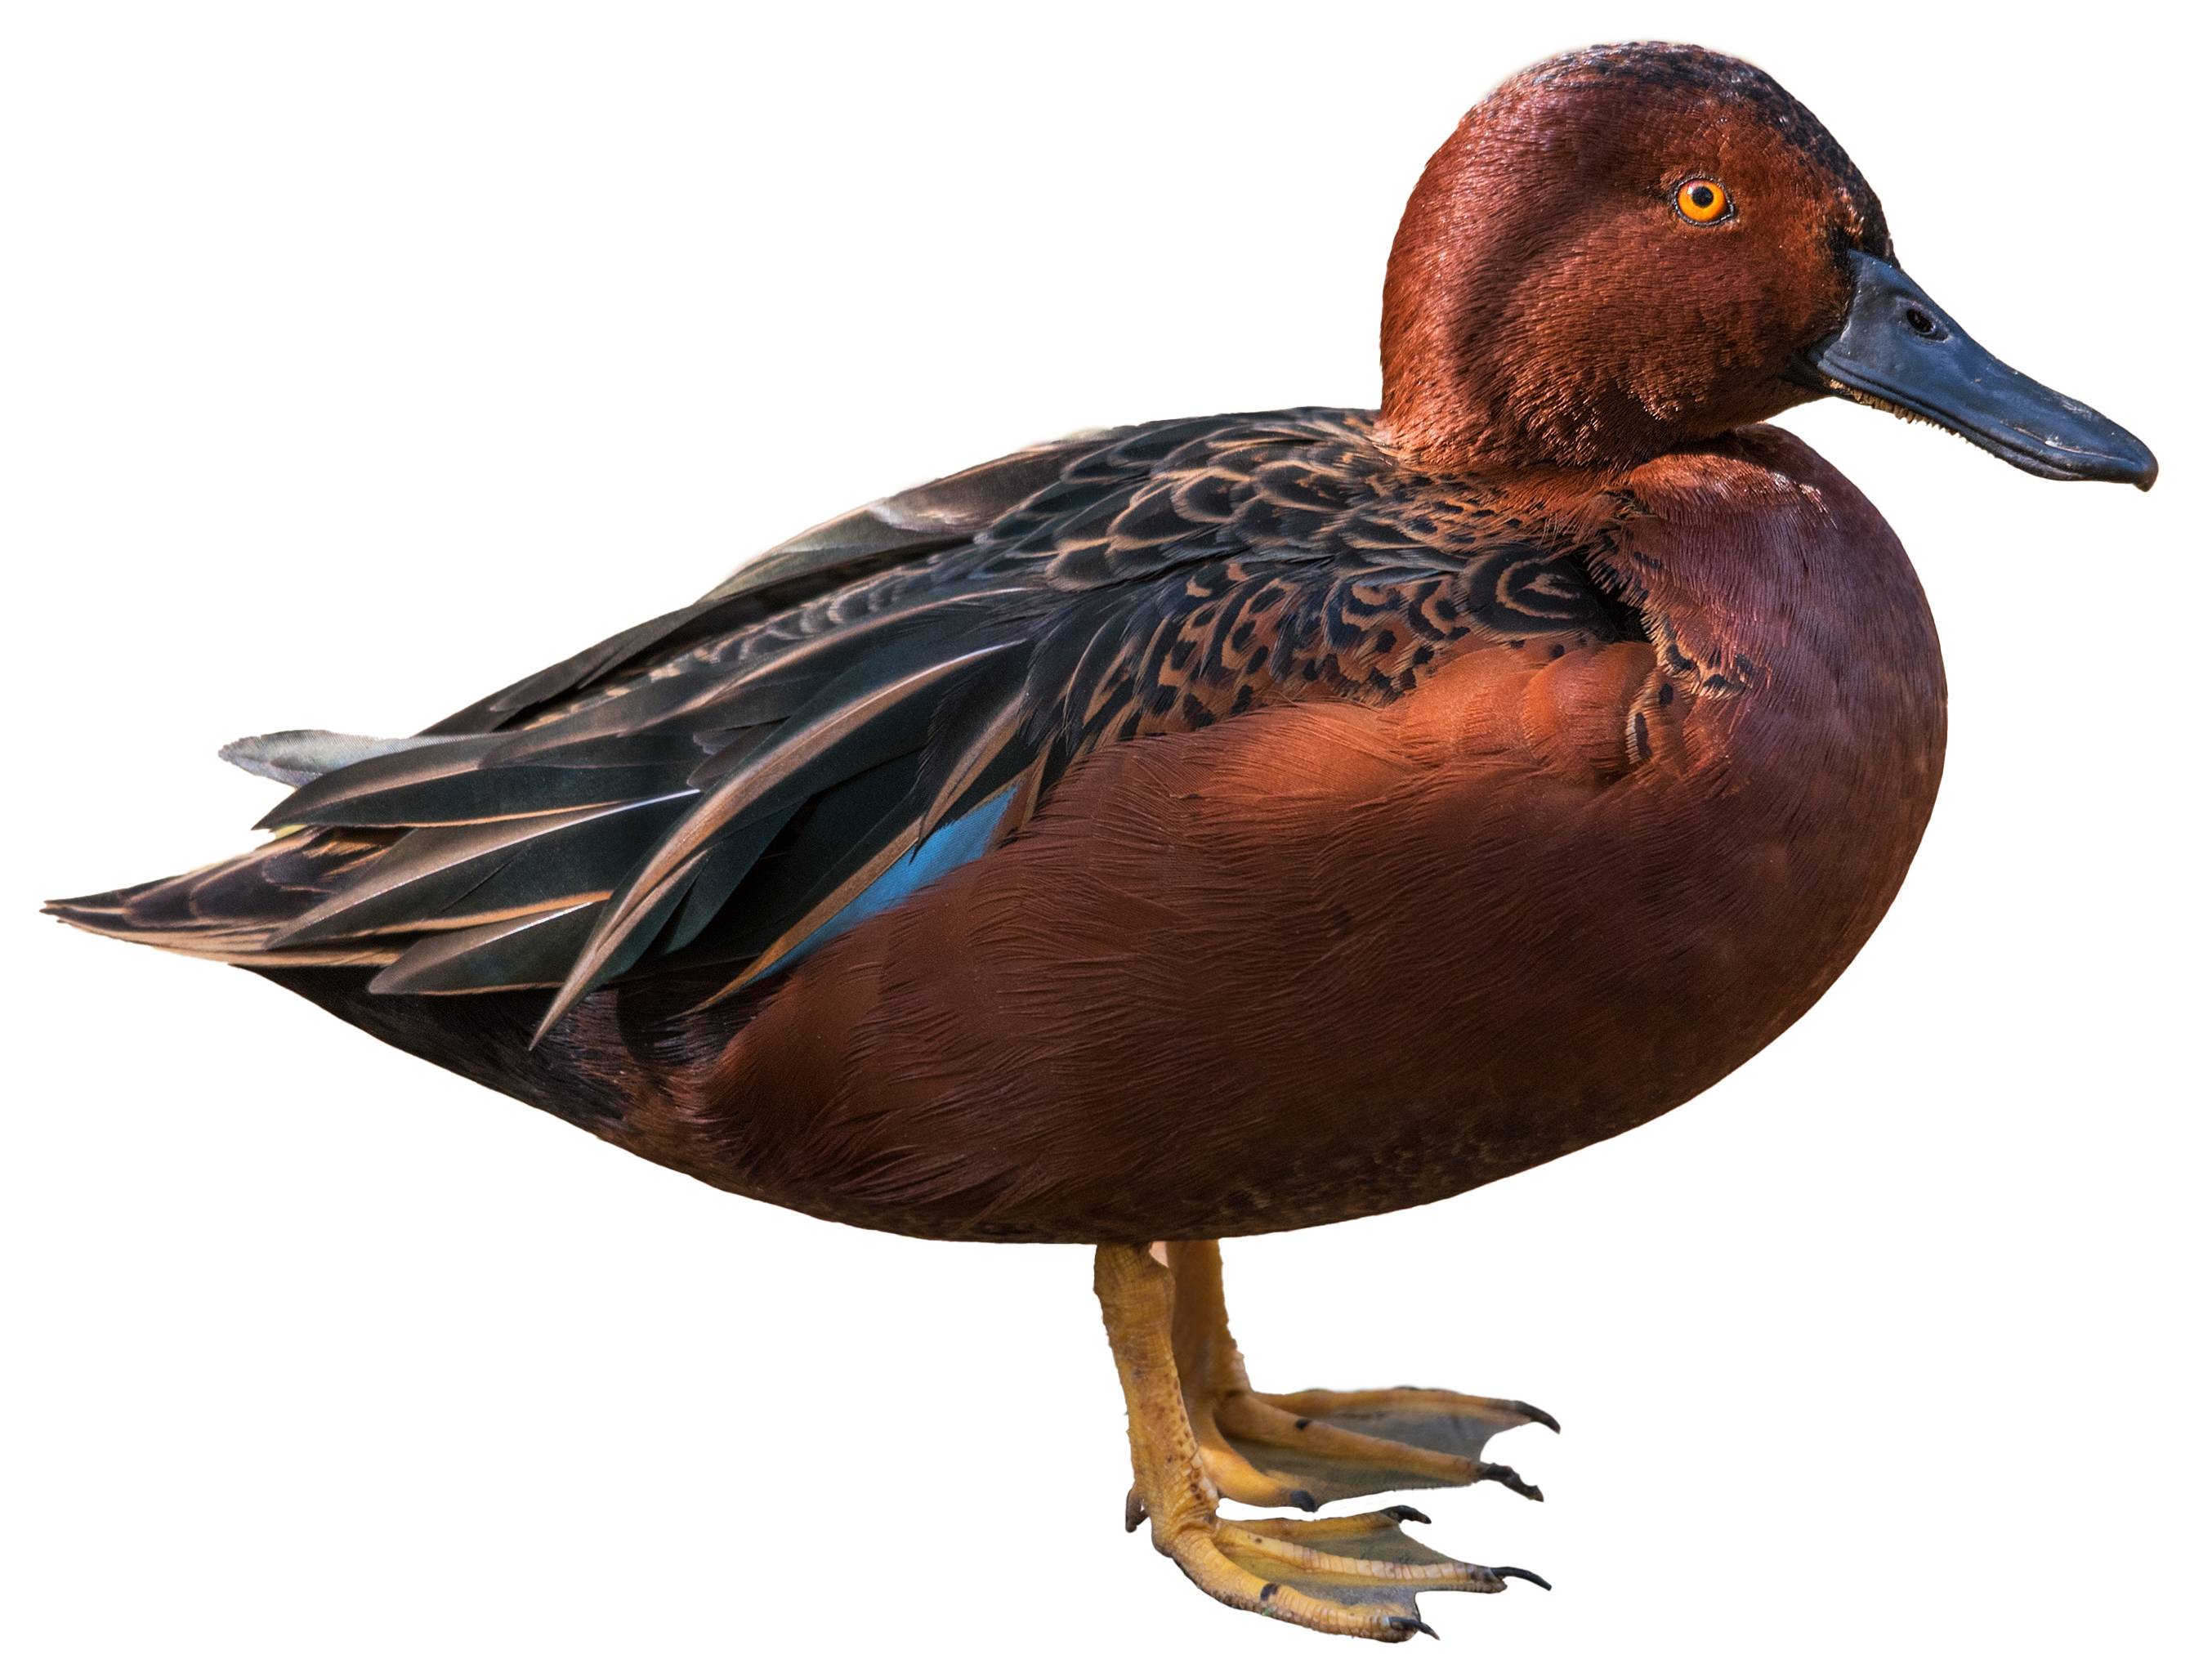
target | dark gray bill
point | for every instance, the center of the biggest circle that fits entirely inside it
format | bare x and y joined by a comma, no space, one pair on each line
1899,350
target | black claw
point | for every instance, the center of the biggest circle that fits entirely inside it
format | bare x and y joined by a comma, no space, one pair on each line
1535,1415
1400,1622
1509,1479
1268,1593
1523,1573
1303,1499
1133,1512
1407,1512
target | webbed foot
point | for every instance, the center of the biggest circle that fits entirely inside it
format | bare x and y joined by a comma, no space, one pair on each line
1354,1575
1198,1435
1301,1450
1315,1448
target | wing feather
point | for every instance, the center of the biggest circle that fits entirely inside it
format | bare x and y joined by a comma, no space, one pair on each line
847,735
728,783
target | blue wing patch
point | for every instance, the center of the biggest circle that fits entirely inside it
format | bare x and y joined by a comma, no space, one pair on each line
964,840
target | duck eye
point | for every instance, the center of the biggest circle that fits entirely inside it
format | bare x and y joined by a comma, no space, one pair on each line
1703,201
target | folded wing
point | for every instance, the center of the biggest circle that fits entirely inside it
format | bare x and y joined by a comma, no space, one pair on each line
860,709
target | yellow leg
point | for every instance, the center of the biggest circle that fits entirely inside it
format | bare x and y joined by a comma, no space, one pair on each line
1352,1575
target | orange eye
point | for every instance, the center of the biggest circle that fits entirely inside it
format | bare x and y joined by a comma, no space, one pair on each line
1703,201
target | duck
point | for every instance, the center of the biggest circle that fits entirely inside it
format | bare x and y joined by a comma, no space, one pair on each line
1221,825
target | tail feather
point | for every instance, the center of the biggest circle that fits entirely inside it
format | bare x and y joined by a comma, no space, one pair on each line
296,758
229,911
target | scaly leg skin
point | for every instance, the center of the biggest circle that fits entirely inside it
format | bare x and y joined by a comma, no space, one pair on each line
1301,1450
1350,1576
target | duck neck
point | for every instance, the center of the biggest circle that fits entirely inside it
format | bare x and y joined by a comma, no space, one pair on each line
1456,401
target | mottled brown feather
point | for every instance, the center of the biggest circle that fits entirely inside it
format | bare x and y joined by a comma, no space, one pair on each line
995,628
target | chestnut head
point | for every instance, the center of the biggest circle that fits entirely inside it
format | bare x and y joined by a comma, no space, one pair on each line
1632,248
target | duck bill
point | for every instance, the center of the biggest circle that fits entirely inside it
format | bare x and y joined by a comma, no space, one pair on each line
1899,350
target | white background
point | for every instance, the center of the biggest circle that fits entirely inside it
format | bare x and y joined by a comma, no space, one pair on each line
361,359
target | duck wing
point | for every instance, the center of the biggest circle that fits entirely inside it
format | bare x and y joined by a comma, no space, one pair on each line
895,692
931,518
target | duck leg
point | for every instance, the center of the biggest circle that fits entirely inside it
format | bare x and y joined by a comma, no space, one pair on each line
1301,1450
1350,1576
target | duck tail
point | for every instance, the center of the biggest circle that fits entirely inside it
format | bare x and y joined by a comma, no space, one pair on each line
243,910
295,758
230,911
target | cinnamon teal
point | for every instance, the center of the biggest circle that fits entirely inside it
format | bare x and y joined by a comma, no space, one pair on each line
1231,823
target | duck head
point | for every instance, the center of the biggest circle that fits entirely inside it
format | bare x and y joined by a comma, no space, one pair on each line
1630,249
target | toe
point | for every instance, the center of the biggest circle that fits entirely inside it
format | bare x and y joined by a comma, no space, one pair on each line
1338,1445
1310,1461
1351,1574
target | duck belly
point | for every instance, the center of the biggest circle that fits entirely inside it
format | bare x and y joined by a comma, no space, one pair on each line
1311,965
